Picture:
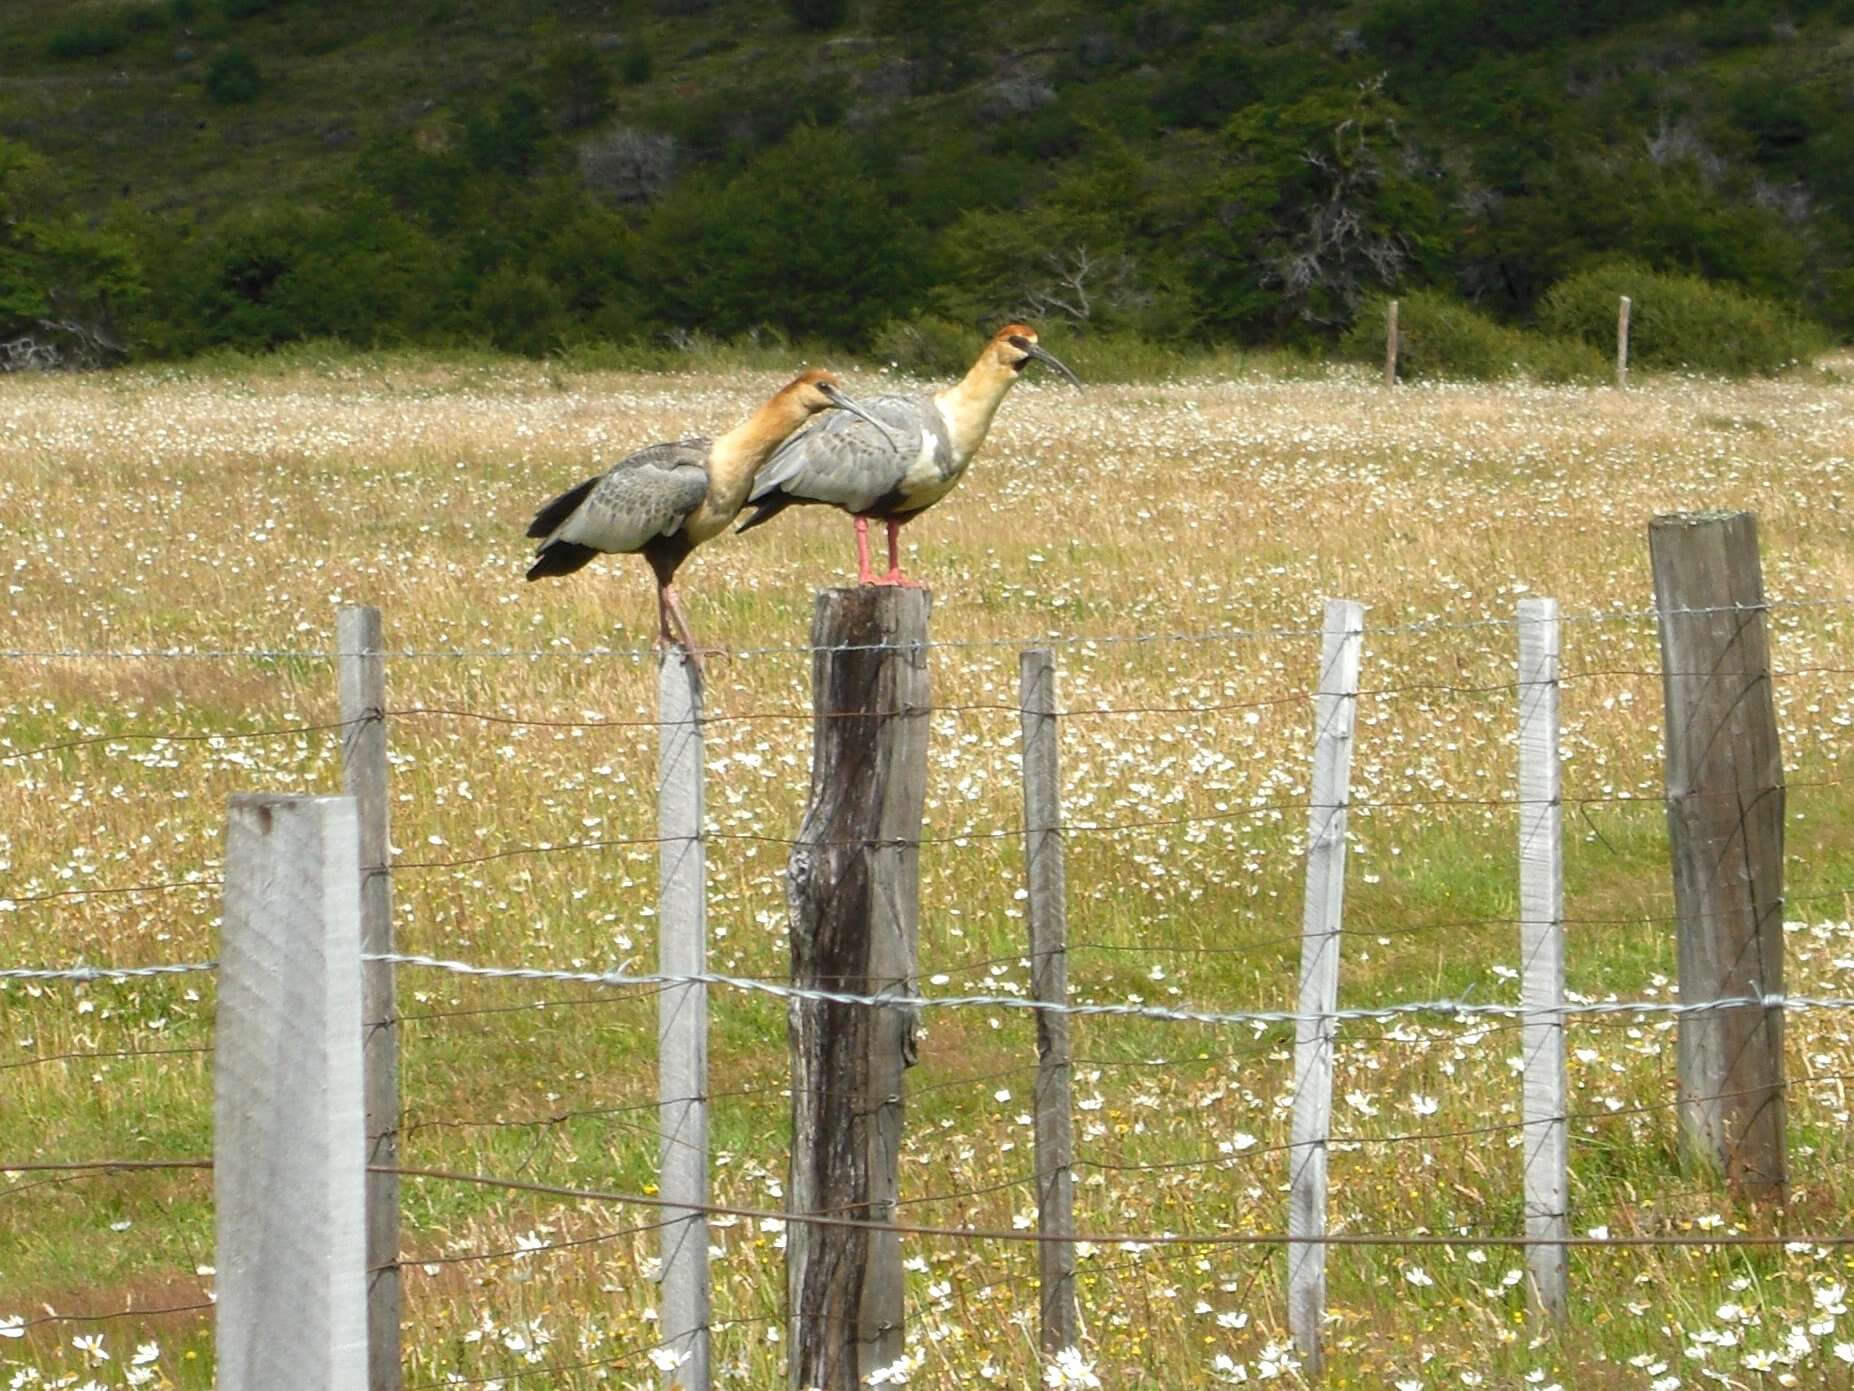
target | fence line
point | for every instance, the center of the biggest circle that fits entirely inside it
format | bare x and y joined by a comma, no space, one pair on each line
761,986
641,654
1319,1017
937,708
1025,1236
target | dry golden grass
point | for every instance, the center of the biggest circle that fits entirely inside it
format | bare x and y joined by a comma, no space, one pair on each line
207,511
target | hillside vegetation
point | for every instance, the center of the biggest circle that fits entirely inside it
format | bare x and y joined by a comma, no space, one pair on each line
182,174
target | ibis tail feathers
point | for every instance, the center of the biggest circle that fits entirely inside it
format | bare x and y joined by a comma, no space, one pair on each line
560,558
766,508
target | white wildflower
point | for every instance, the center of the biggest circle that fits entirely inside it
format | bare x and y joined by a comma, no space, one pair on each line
1070,1368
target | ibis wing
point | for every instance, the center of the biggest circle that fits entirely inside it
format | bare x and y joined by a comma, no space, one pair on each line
647,495
846,461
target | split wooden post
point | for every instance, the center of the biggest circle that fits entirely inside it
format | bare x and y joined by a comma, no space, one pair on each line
1335,713
361,675
853,887
1049,983
1541,955
682,1025
1622,342
1725,818
289,1143
1390,344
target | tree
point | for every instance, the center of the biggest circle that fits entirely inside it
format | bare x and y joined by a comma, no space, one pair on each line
63,286
233,79
802,240
578,85
818,15
1320,202
1091,251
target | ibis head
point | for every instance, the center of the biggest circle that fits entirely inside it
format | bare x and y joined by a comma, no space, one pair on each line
1014,347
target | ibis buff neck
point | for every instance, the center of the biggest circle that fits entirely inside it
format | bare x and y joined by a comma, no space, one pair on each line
735,457
969,404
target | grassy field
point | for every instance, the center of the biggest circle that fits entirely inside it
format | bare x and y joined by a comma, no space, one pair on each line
227,510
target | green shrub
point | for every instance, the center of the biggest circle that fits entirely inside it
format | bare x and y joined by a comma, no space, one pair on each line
233,78
635,63
1439,337
84,38
519,311
1679,322
577,84
818,15
925,346
1119,355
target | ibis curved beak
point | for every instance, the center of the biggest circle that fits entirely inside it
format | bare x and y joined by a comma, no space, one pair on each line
843,402
1042,354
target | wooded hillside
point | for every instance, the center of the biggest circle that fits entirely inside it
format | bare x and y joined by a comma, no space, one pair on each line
180,174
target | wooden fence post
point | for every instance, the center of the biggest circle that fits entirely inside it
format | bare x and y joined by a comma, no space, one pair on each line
1725,819
361,676
853,887
1335,712
1049,983
1541,954
1622,342
289,1142
682,1023
1390,344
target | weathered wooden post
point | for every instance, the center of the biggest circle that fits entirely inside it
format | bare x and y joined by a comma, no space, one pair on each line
682,1024
1541,955
1725,819
1622,343
853,889
1335,709
1049,983
289,1143
1390,344
361,675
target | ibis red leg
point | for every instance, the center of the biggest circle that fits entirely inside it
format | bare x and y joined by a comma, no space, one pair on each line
669,612
894,575
864,574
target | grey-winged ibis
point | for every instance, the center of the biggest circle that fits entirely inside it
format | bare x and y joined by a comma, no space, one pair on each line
847,463
664,501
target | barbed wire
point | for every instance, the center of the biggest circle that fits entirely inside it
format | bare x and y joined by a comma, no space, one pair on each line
1226,634
46,1058
1460,1008
781,990
1098,1239
706,718
90,973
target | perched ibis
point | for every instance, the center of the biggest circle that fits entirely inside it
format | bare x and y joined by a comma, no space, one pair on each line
866,471
664,501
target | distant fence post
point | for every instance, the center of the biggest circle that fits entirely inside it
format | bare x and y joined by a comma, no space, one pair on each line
361,675
1541,954
1725,819
289,1143
1049,983
853,887
1335,712
682,1023
1390,344
1622,342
